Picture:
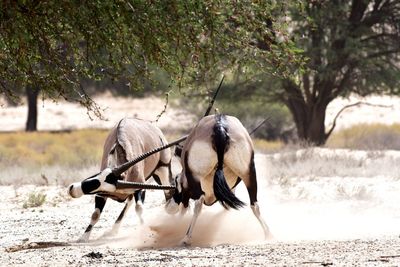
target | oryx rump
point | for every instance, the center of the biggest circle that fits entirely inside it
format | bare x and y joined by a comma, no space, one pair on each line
216,156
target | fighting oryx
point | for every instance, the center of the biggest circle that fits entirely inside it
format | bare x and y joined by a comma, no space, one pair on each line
130,138
216,156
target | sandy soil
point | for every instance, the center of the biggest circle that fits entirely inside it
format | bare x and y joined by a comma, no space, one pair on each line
316,221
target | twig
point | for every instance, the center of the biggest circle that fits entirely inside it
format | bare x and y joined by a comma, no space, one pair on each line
389,256
37,245
165,107
318,262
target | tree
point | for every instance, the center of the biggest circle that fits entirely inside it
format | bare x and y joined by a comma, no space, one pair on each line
351,47
52,45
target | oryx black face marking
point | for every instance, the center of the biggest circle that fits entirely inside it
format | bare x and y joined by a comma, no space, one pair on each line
89,185
112,178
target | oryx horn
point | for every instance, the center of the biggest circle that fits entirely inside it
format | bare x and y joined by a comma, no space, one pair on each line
213,99
121,168
133,185
259,125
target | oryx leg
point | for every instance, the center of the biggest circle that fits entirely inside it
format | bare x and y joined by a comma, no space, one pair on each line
251,185
99,205
117,223
186,241
163,176
139,199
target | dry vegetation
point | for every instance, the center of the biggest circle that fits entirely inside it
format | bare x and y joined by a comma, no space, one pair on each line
45,158
46,148
367,136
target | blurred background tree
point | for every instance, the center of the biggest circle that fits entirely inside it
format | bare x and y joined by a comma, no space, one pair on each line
279,58
348,47
351,47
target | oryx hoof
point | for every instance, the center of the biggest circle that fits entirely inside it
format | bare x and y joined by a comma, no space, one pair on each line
82,240
269,236
171,207
186,242
110,233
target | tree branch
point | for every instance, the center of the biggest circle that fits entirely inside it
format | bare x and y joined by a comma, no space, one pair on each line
165,107
383,53
350,106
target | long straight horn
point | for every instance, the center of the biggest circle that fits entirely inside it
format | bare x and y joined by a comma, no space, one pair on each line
133,185
121,168
259,125
213,99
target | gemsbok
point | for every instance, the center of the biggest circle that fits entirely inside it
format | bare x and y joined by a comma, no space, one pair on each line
216,156
130,138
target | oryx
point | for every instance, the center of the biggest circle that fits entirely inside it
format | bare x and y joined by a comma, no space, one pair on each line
216,156
130,138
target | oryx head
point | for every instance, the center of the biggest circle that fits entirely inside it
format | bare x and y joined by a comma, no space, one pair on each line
110,180
104,181
172,205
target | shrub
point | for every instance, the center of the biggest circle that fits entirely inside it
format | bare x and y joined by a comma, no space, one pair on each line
35,199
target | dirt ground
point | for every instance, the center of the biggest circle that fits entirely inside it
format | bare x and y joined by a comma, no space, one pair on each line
61,220
313,232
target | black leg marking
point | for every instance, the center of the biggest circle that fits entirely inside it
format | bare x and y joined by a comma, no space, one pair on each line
157,179
195,186
122,214
139,195
252,186
89,228
99,205
143,195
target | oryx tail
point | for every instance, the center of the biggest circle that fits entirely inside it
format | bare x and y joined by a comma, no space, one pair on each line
221,142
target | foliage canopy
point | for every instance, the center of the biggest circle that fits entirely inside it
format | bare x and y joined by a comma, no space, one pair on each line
52,45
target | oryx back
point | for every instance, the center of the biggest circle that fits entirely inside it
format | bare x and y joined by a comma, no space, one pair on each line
130,138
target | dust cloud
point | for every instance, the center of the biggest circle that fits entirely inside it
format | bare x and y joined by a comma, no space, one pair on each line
321,208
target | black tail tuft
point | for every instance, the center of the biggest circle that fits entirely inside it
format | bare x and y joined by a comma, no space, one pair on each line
222,191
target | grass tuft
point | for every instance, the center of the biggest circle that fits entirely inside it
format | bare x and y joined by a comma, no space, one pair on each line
35,199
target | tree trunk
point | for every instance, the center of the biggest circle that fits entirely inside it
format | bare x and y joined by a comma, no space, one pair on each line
309,117
32,93
310,124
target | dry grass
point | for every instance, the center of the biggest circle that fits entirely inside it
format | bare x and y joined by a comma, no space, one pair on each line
265,146
74,148
46,158
367,136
